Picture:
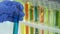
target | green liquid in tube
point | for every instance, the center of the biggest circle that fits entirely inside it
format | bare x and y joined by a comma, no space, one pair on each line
31,19
36,18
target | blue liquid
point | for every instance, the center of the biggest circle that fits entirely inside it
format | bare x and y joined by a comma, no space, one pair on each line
15,30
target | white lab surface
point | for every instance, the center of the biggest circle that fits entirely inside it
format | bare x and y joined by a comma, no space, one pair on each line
6,28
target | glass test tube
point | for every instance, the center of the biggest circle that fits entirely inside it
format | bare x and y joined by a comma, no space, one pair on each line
31,12
46,15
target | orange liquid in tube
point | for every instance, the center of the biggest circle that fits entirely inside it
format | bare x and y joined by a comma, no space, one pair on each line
26,11
42,17
26,16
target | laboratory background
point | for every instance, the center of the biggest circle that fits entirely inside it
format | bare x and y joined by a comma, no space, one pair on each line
29,16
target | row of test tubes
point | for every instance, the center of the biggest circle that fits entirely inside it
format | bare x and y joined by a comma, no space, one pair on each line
45,14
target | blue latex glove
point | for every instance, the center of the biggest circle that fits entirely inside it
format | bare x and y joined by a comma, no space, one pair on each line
10,9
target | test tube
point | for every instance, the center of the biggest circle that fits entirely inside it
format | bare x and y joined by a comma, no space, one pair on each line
58,16
51,15
27,14
36,15
57,12
31,15
46,15
41,15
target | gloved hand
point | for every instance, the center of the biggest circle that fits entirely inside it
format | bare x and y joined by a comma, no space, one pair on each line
10,9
